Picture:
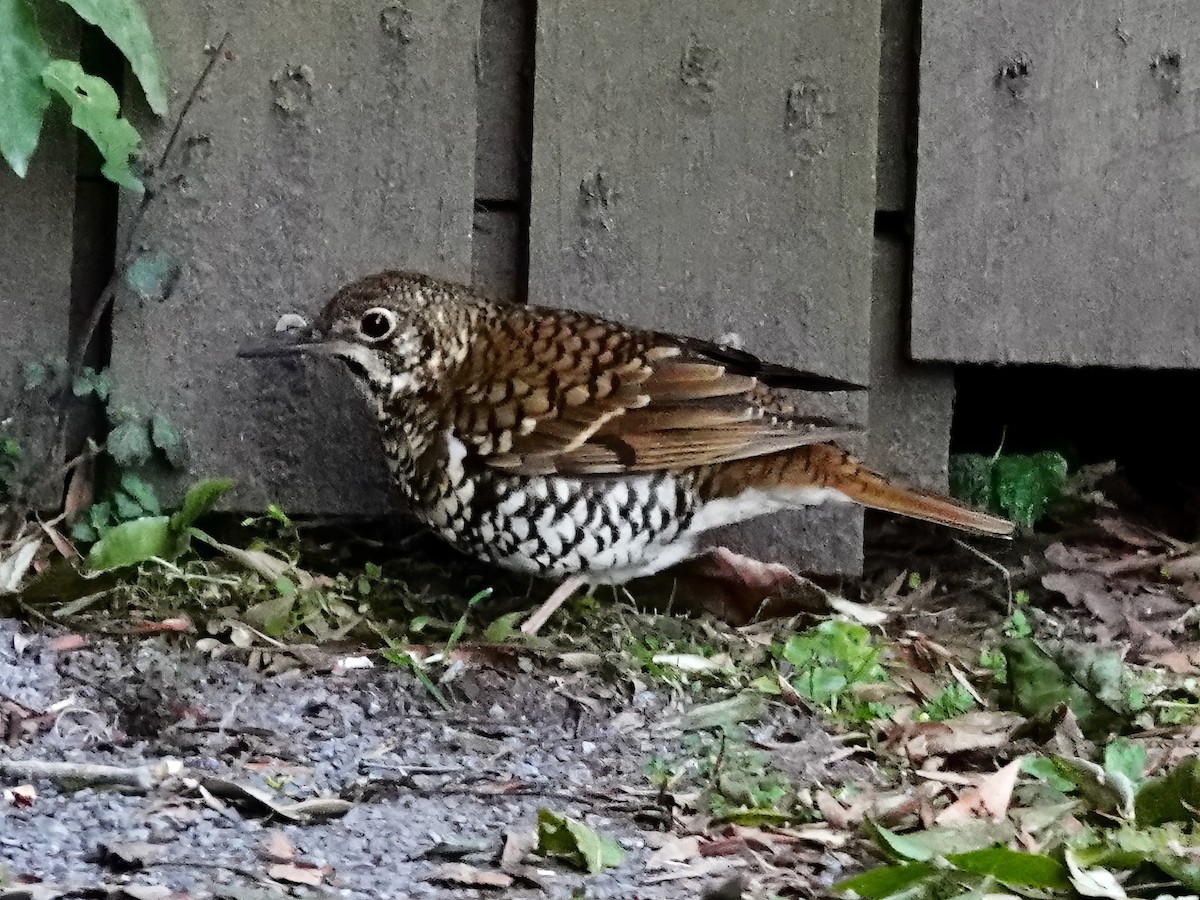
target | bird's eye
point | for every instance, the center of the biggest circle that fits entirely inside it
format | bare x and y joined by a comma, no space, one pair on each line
376,324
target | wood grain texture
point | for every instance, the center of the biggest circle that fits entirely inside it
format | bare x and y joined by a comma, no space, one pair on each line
897,103
1057,218
502,78
709,169
337,140
912,404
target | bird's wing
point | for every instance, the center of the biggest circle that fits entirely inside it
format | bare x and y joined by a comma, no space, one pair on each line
544,391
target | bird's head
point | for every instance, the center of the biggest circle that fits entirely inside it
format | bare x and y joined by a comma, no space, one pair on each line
398,333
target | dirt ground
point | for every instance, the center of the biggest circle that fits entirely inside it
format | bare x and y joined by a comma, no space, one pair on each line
244,769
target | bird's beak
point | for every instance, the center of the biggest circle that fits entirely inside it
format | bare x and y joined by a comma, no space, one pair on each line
296,341
271,351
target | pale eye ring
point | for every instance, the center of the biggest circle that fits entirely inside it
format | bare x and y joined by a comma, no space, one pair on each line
377,324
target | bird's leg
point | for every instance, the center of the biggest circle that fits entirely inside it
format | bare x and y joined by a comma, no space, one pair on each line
542,614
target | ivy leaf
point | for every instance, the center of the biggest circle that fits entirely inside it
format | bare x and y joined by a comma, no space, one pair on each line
167,439
23,96
95,111
124,23
84,533
153,275
971,478
142,492
34,373
1026,485
129,442
127,507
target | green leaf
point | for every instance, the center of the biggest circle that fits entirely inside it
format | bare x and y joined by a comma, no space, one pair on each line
461,625
1014,867
1025,485
142,492
572,841
902,847
1106,792
127,507
202,497
1093,682
89,381
23,96
1170,797
747,706
830,659
168,440
1043,768
971,478
124,23
885,881
129,443
34,373
95,111
131,543
84,533
502,628
923,846
1126,758
152,276
272,616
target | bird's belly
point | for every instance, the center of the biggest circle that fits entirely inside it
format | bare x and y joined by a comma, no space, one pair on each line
553,526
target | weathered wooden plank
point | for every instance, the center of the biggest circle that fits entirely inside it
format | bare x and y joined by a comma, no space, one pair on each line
501,157
912,404
897,103
709,168
1056,211
36,261
337,140
497,255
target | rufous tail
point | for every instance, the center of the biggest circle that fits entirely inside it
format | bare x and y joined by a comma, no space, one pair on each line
828,466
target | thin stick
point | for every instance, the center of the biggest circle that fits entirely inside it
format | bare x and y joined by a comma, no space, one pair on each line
995,564
110,290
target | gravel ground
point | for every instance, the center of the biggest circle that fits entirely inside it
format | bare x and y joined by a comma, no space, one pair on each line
426,787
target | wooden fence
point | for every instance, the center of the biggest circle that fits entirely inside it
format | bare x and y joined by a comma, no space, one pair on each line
714,167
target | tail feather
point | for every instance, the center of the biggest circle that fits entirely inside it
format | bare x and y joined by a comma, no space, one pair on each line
826,466
875,492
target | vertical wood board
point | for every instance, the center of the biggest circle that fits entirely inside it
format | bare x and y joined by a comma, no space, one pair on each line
335,141
36,261
1057,218
912,404
710,169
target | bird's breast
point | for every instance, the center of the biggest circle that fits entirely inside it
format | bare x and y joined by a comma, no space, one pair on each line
557,526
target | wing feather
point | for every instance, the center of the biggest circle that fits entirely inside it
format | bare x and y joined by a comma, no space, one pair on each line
551,391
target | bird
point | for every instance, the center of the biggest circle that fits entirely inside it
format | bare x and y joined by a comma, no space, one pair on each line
565,445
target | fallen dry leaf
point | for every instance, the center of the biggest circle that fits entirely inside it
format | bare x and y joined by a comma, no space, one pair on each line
470,876
65,643
517,846
22,796
990,797
677,849
278,847
298,873
980,730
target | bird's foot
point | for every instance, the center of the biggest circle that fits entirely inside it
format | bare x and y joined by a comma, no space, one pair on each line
542,614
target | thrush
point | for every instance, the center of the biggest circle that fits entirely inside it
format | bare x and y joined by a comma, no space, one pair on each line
567,446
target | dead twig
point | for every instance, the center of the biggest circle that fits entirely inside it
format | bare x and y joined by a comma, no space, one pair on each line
994,564
142,778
